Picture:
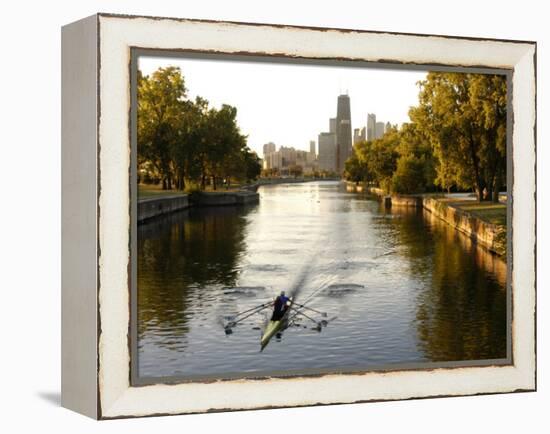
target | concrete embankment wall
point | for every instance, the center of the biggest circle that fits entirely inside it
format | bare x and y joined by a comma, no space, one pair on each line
225,198
488,235
153,207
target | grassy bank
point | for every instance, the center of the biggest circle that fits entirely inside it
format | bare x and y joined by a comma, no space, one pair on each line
489,212
151,191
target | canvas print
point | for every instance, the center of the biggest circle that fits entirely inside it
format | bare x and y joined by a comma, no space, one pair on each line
302,218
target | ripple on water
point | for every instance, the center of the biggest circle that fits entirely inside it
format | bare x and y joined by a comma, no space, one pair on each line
400,293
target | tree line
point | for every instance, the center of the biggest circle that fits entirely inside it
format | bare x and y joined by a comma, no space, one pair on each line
182,141
456,140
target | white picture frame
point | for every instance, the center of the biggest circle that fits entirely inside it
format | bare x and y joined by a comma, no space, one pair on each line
96,214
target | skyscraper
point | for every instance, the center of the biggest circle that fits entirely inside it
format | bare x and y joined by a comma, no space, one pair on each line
359,135
332,125
269,148
312,147
371,126
343,132
327,152
379,130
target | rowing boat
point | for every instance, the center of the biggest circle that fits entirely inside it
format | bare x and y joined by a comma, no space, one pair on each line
274,327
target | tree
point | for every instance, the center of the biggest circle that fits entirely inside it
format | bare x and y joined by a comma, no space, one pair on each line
415,170
252,165
409,176
296,170
352,169
180,139
160,104
382,158
464,117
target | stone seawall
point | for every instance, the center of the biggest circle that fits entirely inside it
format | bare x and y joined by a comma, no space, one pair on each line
408,201
153,207
225,198
490,236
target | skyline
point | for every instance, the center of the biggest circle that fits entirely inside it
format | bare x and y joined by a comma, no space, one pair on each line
290,104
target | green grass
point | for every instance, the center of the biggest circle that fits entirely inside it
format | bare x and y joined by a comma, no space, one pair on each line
490,212
151,190
148,191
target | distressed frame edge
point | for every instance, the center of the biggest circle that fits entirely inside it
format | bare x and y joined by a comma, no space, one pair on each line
136,53
79,218
413,397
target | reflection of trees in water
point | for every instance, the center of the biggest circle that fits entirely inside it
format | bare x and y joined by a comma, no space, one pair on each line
461,308
179,256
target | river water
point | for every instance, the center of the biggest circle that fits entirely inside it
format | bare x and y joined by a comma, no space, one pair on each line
398,286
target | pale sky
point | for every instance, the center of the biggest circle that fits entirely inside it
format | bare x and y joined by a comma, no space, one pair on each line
290,105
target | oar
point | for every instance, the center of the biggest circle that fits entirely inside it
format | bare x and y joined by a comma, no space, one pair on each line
252,312
318,323
251,309
324,314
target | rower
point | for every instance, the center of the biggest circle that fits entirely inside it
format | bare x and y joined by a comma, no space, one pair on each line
280,306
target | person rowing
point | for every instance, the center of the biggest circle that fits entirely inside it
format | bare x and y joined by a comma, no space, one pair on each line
280,306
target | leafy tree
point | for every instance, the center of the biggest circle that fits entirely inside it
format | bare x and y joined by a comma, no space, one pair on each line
409,176
160,103
382,158
180,139
352,169
252,165
416,162
464,116
356,167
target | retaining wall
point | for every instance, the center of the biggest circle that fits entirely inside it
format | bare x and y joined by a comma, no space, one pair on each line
154,207
149,208
225,198
490,236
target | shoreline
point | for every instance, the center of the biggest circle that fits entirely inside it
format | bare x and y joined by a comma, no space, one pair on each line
490,236
152,207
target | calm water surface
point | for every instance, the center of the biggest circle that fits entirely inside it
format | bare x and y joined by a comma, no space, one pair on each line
399,286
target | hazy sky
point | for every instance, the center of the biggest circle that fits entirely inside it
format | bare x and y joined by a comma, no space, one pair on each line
290,105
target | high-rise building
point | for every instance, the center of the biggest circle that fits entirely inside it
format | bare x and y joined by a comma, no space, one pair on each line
311,155
312,147
359,135
327,152
387,128
332,125
343,132
371,126
269,148
379,130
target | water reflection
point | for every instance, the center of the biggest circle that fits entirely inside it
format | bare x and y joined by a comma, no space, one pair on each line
181,258
400,285
461,310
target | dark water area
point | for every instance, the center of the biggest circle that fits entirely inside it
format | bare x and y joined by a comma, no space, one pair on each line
399,286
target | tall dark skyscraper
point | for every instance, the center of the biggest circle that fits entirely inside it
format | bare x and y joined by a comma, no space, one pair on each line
343,132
